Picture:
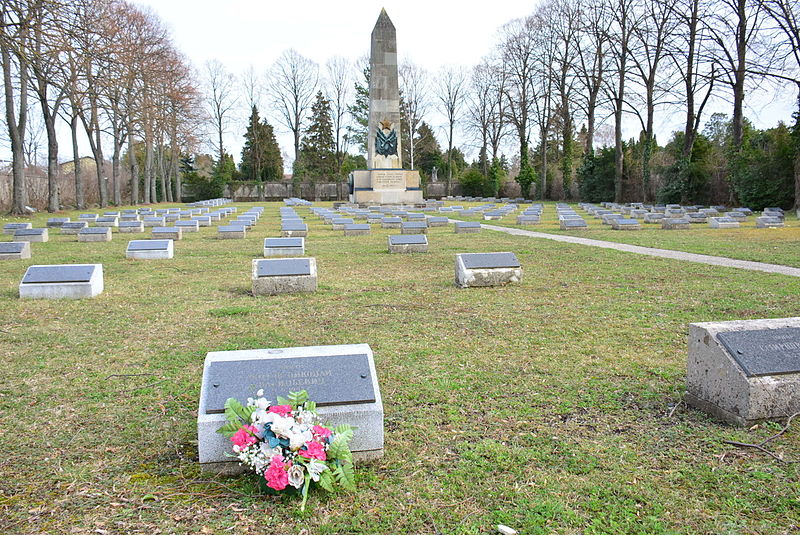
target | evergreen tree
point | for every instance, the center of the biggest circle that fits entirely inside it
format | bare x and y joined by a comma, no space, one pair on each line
261,155
317,157
429,154
357,132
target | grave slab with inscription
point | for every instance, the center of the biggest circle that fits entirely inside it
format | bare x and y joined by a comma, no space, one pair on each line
150,249
408,243
487,269
274,276
62,281
341,379
15,250
93,234
284,246
745,371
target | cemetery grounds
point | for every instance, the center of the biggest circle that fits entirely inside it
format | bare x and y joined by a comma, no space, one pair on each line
551,406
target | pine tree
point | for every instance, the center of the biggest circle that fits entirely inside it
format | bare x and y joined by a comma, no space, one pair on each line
261,155
318,148
357,132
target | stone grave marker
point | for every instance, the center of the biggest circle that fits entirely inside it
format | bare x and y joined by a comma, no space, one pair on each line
623,223
167,233
466,227
723,222
408,243
131,227
67,281
573,224
745,371
676,223
438,221
188,225
149,249
342,380
73,227
57,222
15,250
414,227
761,222
391,222
284,275
356,229
32,234
93,234
284,246
107,221
11,228
487,269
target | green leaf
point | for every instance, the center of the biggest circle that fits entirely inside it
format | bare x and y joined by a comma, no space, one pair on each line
338,449
229,429
326,481
282,401
235,412
298,398
311,406
345,476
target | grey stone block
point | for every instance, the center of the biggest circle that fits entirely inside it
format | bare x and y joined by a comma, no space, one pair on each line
489,276
93,234
56,289
280,284
717,383
214,450
15,250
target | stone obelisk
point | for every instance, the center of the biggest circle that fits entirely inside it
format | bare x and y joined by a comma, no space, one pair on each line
384,181
384,98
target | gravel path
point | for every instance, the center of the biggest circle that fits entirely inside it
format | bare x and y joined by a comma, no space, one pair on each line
663,253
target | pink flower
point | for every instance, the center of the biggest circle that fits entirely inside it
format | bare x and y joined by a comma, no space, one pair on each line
244,436
320,431
314,450
282,410
276,475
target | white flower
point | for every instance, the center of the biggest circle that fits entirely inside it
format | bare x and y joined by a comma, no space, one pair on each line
315,469
307,417
298,438
262,403
261,416
282,426
296,477
260,392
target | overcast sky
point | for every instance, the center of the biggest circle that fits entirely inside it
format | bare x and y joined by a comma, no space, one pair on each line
430,33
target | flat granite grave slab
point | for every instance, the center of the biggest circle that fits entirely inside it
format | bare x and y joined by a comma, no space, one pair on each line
231,232
408,243
57,222
764,222
284,275
723,222
466,227
149,249
15,250
294,230
676,223
154,221
284,246
91,234
414,227
572,224
357,229
73,227
745,371
62,281
625,224
437,221
11,228
167,233
32,234
107,221
131,227
188,226
391,222
528,219
341,379
487,269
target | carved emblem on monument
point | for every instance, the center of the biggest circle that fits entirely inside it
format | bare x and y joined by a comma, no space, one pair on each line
386,139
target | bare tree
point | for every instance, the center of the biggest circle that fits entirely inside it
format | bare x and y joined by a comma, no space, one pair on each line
14,41
414,88
339,87
695,66
622,27
292,85
543,82
656,28
592,62
221,99
451,93
518,50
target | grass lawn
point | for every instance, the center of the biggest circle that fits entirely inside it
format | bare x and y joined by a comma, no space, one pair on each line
774,246
544,405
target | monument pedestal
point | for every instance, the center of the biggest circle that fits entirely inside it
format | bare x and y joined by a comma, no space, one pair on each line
385,186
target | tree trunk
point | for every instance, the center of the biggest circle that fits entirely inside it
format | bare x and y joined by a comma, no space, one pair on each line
148,167
16,131
163,172
53,203
115,171
618,153
80,201
134,167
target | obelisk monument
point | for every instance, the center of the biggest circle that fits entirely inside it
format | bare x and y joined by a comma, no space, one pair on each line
385,181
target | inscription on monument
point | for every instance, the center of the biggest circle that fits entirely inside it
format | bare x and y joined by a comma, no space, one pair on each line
383,179
329,380
764,351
